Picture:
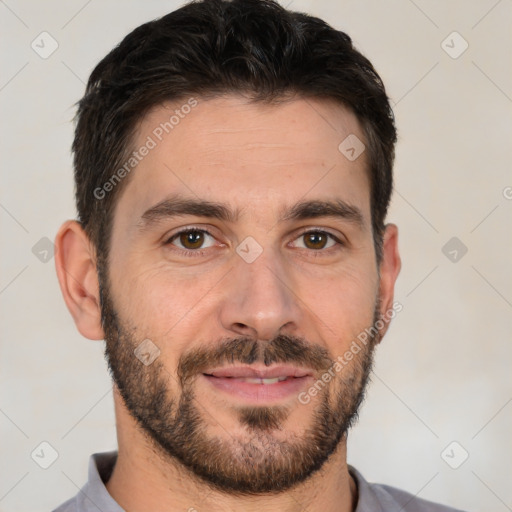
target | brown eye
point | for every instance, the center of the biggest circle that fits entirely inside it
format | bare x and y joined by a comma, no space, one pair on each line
190,239
317,240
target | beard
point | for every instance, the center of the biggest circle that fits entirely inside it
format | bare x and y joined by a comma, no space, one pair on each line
257,461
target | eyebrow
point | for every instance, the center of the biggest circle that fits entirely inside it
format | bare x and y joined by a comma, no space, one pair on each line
178,205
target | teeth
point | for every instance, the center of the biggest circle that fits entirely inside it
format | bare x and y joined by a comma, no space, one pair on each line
252,380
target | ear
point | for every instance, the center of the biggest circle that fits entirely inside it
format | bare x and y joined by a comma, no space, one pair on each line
75,262
389,269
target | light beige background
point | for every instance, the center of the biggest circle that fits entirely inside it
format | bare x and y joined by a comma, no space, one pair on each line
443,371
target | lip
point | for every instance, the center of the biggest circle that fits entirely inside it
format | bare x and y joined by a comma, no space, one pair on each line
260,372
230,381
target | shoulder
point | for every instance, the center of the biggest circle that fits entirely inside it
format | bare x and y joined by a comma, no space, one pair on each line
384,498
410,503
68,506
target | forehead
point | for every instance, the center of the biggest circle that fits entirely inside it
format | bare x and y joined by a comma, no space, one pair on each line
251,155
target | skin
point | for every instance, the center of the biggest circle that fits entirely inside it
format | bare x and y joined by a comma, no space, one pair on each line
259,159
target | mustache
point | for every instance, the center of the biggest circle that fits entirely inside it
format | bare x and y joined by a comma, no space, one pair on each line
244,350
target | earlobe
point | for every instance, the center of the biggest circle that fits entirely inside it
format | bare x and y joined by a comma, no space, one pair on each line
389,269
75,262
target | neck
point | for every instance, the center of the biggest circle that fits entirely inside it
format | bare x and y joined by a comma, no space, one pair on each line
143,479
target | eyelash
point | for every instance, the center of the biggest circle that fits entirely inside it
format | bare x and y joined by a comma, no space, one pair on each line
200,252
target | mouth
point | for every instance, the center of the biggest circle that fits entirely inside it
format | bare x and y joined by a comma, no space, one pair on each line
255,380
259,385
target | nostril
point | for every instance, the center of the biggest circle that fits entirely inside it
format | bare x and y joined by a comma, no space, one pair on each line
244,330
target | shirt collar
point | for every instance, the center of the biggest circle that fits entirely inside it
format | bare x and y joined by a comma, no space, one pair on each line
94,495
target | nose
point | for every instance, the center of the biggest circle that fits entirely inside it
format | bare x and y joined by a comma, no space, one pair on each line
260,299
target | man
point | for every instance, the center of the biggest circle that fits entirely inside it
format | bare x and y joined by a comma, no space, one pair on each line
233,167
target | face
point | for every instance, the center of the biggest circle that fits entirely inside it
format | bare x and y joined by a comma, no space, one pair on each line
241,267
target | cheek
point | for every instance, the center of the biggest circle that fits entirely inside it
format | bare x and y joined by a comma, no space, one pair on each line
343,306
158,301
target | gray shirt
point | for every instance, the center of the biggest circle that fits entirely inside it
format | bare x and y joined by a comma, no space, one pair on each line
372,497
